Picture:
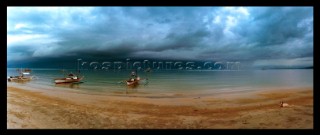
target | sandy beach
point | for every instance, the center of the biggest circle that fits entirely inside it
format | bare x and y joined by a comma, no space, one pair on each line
251,110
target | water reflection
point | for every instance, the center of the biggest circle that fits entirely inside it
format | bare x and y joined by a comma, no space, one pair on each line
69,85
21,81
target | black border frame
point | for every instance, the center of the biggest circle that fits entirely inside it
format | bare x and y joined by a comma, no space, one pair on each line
5,4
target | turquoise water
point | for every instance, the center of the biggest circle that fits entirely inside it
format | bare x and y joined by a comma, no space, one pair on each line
176,81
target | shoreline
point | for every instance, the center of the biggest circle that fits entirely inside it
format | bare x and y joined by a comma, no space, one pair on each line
134,92
249,110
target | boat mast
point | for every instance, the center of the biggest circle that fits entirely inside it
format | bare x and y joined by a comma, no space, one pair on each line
78,65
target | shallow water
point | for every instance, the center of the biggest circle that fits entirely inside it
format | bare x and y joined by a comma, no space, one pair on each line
176,81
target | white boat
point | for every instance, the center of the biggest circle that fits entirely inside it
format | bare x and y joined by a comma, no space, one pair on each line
24,75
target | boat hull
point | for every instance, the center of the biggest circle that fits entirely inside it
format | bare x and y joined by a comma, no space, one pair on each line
67,80
132,83
19,78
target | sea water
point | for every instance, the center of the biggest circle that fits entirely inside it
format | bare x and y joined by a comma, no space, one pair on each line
174,81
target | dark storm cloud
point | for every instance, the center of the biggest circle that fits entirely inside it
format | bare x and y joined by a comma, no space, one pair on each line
195,33
276,26
175,41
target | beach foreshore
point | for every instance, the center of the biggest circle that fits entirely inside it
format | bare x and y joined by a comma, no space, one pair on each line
72,110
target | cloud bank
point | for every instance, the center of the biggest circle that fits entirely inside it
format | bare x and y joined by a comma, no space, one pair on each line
260,35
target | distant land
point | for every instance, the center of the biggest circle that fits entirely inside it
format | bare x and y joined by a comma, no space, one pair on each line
264,68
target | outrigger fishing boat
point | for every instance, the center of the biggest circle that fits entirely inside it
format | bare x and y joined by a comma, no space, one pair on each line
72,78
24,75
134,80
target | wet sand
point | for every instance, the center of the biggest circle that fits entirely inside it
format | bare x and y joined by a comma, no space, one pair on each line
251,110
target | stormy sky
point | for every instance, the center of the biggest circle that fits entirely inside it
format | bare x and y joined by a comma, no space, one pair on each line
261,36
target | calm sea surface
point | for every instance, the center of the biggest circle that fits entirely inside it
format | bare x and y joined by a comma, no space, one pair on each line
175,81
